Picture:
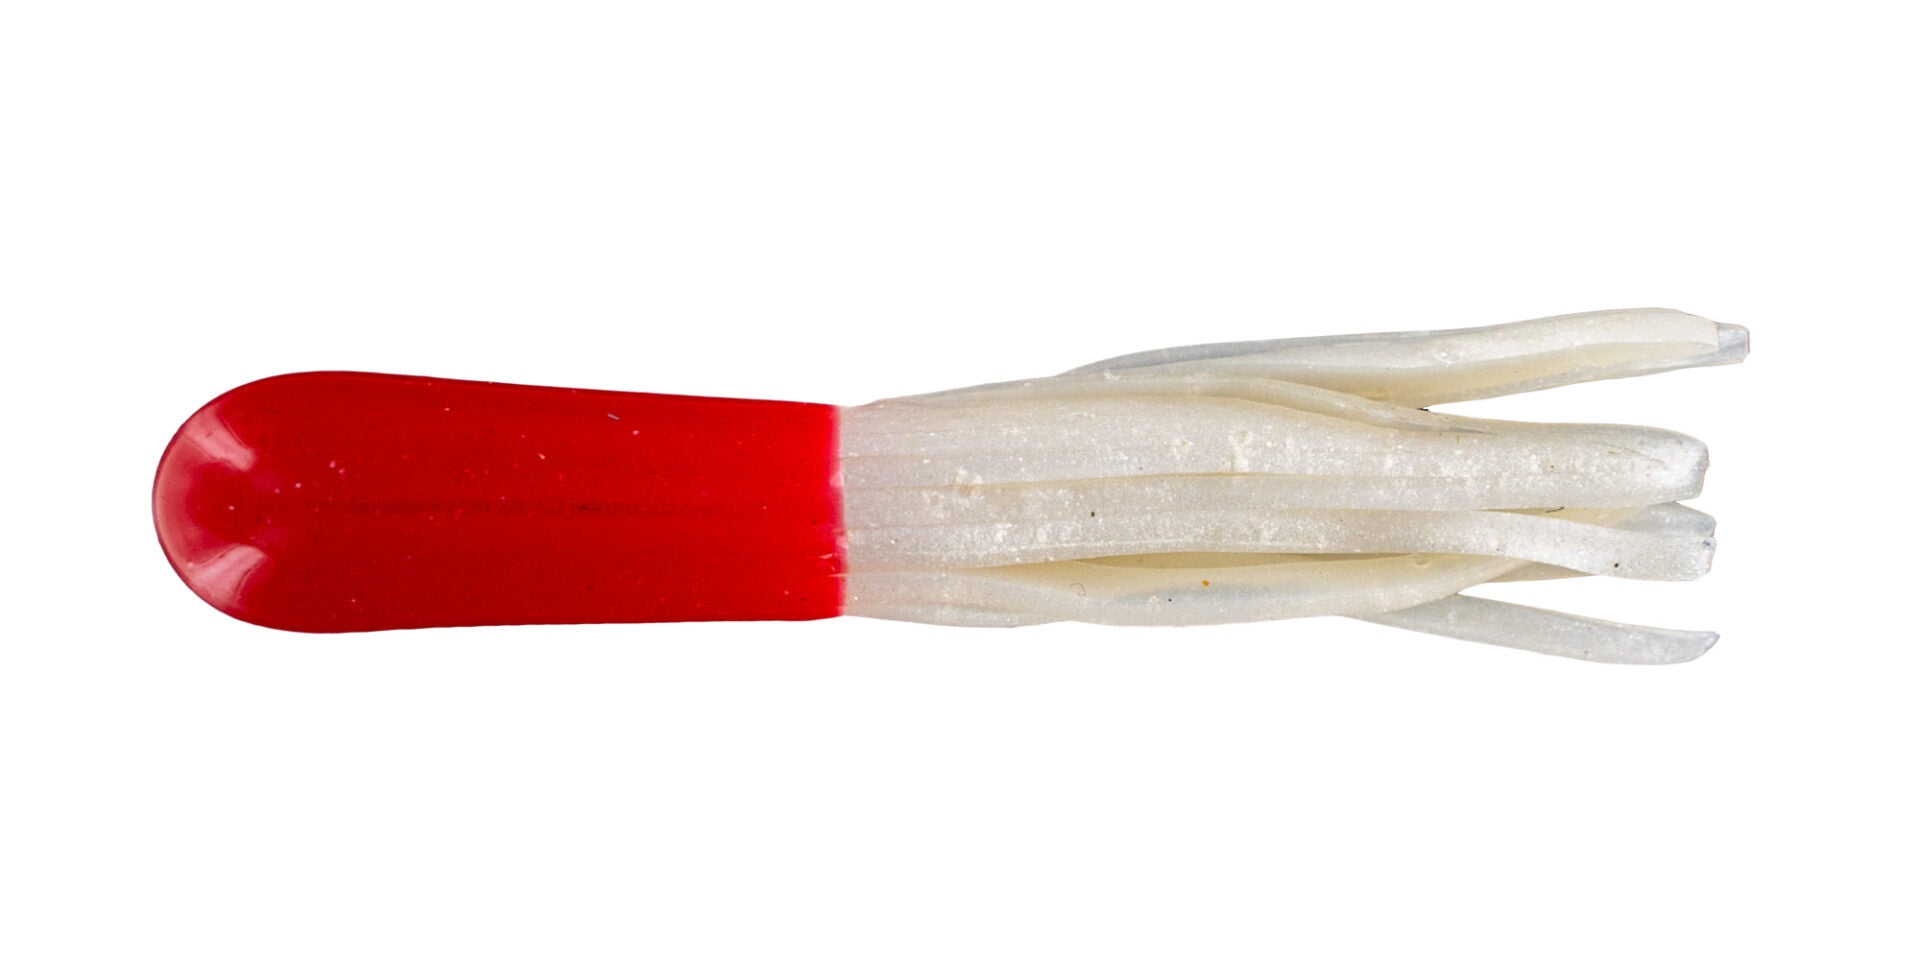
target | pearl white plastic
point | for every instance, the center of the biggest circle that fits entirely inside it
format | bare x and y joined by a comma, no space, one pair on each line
1287,478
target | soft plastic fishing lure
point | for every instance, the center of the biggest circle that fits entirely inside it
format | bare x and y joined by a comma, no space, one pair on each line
1196,485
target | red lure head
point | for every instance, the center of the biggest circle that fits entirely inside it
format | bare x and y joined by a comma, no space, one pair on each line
355,501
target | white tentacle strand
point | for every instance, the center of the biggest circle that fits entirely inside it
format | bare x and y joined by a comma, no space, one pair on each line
1287,478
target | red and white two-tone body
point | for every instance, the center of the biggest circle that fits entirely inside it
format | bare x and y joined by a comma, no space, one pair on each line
1211,484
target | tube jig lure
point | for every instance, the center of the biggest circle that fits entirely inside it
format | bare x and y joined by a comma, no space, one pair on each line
1194,485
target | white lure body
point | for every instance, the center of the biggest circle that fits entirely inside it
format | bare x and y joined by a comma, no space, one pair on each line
1287,478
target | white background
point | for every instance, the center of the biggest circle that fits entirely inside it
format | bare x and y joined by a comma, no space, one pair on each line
840,202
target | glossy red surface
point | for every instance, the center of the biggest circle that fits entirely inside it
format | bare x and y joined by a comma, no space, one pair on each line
357,501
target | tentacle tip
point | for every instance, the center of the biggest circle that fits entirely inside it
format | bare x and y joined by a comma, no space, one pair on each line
1734,343
1695,647
1678,647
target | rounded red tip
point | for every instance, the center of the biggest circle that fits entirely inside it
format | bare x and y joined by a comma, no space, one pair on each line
198,494
352,501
